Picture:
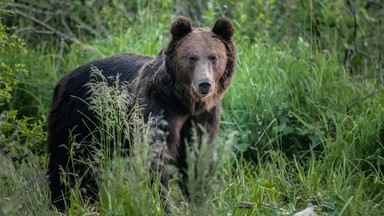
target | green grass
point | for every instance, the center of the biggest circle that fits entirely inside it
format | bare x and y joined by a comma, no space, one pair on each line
297,128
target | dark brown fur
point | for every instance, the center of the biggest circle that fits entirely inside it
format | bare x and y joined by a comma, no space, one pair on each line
168,87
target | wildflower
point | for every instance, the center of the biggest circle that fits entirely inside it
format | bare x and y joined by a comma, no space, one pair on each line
225,6
325,51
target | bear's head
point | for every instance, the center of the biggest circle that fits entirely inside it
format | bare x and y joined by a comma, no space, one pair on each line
201,61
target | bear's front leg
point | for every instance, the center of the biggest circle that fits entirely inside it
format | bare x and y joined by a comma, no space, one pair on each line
160,155
164,136
210,121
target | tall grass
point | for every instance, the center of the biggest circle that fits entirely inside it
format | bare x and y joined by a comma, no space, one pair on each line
326,122
23,187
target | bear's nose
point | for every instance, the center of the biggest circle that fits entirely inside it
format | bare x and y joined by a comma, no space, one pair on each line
204,86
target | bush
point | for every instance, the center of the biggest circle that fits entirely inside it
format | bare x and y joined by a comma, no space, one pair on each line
15,133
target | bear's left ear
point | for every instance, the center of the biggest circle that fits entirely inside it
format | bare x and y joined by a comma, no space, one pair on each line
180,27
224,28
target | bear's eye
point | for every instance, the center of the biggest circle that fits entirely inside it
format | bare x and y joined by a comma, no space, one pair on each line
212,58
193,59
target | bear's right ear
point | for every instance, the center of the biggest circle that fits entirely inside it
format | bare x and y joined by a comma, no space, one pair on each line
180,27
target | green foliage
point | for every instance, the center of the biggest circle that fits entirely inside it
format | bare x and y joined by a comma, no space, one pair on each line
297,103
23,187
7,43
352,30
15,134
71,20
8,80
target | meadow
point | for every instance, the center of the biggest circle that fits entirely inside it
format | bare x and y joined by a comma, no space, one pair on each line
303,121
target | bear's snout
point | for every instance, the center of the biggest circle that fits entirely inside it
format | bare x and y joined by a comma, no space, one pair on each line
204,88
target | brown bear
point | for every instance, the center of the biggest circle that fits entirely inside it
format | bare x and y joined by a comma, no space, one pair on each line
183,85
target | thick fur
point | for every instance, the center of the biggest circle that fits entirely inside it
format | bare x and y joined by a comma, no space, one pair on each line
165,87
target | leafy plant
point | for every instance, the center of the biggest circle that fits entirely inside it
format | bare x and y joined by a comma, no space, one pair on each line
8,42
19,133
15,134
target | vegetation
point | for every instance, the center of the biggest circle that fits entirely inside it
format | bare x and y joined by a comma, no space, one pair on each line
303,121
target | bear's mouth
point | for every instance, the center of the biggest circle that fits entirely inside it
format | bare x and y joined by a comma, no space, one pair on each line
203,92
